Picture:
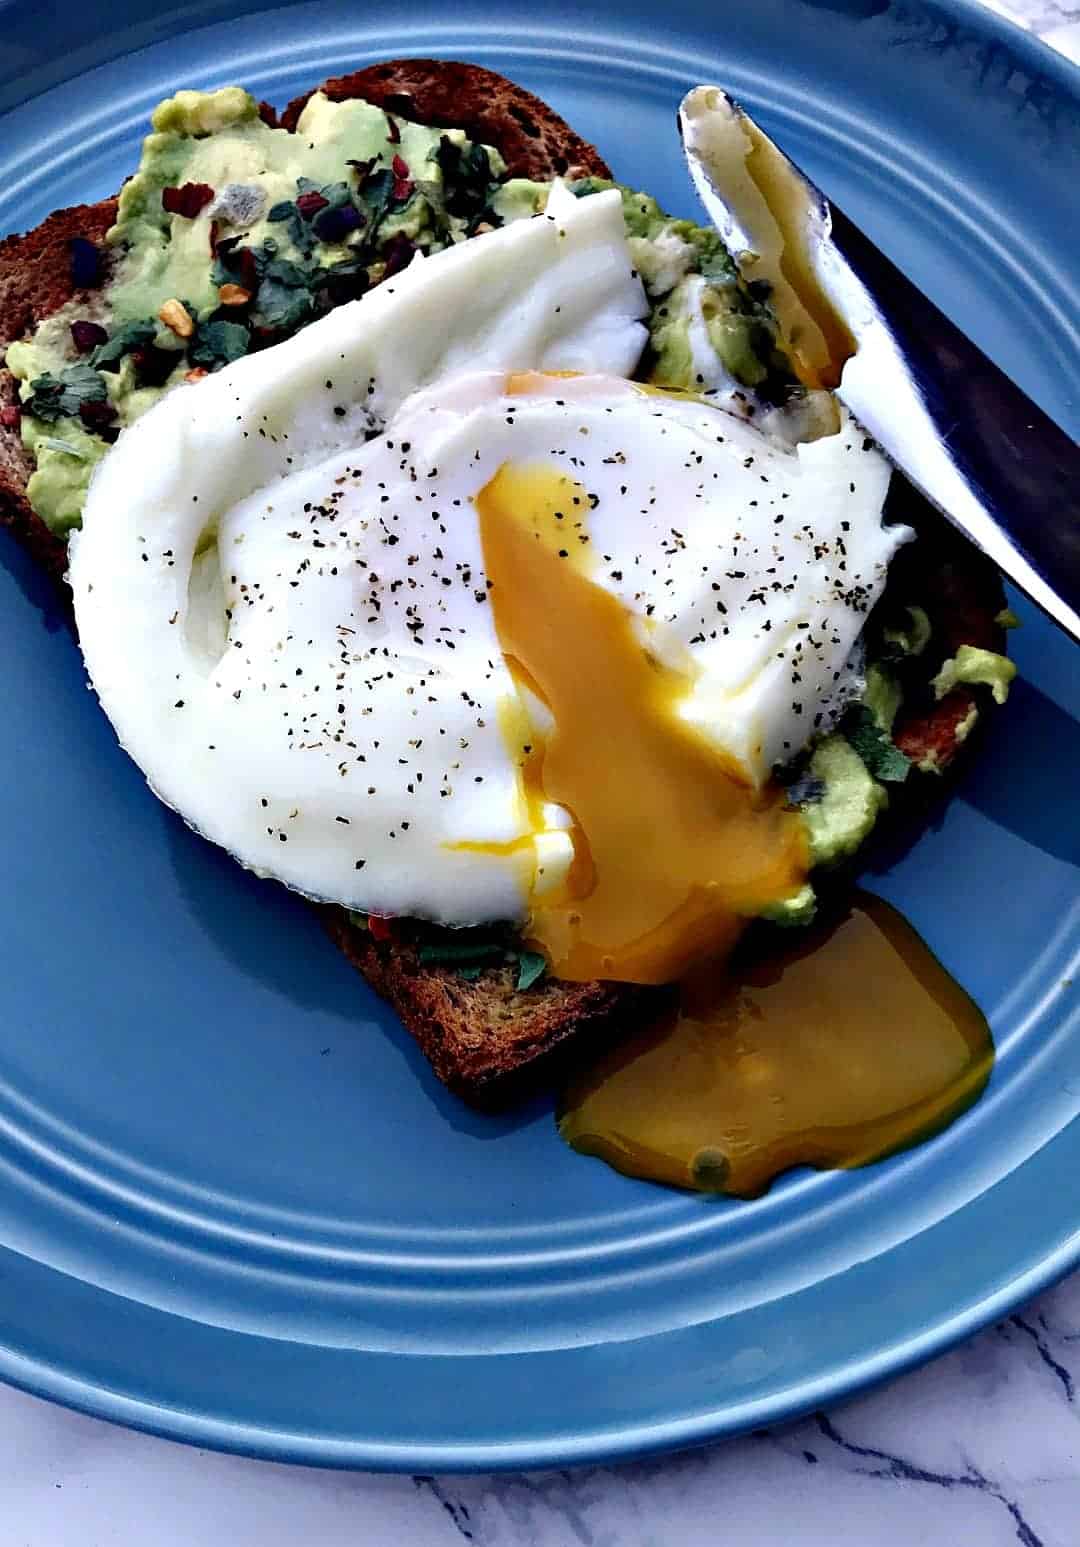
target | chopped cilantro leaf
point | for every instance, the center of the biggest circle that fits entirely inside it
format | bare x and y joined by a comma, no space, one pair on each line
467,953
217,343
282,306
53,397
883,759
469,958
467,179
132,335
531,967
376,195
336,194
287,272
300,233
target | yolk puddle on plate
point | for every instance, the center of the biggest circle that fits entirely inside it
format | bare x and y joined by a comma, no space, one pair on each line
851,1043
673,848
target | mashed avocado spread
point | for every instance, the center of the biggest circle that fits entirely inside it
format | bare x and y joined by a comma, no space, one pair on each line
232,235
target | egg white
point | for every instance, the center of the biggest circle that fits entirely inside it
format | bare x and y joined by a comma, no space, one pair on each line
280,591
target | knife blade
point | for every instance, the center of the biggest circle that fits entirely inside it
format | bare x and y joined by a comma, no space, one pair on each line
953,423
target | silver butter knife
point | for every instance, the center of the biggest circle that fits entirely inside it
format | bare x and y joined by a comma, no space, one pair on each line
955,425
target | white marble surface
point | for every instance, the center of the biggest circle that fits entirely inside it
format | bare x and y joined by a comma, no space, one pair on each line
979,1449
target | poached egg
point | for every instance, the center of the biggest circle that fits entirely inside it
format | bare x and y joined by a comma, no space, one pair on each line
431,611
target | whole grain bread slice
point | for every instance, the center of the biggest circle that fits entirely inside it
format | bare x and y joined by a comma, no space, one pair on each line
488,1042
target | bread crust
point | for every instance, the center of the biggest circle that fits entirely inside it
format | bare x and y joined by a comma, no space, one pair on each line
486,1041
533,140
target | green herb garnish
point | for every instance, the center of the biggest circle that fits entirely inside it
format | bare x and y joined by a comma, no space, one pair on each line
467,181
469,958
53,397
884,760
467,953
300,233
531,967
131,335
217,343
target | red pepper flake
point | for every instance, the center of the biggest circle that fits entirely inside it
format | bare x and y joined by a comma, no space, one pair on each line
380,928
248,274
403,184
97,415
87,335
10,416
309,204
153,366
398,254
187,200
393,133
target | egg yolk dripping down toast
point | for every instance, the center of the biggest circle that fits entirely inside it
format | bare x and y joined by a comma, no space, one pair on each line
762,1064
672,845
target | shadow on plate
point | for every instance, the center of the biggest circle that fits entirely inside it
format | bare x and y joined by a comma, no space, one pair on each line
39,588
1022,792
1012,776
275,938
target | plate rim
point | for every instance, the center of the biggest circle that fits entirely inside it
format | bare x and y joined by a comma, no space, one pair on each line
39,1378
42,1378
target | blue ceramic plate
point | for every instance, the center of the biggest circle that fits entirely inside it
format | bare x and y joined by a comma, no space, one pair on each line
236,1207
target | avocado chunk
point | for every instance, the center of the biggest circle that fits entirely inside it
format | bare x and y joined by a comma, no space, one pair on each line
973,666
65,455
913,638
793,912
841,820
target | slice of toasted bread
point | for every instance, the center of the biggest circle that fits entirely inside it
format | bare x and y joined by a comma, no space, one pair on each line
486,1041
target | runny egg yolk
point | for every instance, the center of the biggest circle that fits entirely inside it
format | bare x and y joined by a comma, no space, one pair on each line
673,847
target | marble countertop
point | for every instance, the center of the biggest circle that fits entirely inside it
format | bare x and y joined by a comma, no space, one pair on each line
979,1449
